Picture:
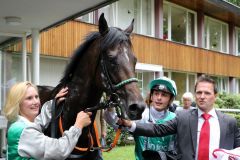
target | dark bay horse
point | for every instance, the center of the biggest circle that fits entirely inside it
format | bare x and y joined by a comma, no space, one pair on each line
103,63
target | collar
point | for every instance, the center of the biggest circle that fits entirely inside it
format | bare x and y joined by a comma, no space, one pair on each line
212,112
157,114
24,120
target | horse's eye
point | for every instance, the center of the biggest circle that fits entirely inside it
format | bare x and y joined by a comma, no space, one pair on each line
113,60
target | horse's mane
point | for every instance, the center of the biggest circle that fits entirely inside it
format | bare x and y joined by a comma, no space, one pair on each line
113,36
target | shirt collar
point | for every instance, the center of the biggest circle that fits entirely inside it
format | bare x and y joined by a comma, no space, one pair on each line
23,119
157,114
212,112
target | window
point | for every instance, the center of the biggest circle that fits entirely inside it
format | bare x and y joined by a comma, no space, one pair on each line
179,24
125,13
147,17
191,80
238,86
1,84
184,81
88,18
222,84
216,37
141,10
238,41
109,14
166,8
180,80
10,73
144,80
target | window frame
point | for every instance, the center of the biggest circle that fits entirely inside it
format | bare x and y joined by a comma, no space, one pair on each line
207,40
169,9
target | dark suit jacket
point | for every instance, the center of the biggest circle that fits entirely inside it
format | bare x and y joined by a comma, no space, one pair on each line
185,126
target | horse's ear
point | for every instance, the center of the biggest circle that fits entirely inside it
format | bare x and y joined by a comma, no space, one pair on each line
103,26
130,28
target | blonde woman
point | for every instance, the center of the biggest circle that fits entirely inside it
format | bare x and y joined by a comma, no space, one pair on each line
25,132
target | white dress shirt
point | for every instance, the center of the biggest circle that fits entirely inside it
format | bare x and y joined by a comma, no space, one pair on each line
214,131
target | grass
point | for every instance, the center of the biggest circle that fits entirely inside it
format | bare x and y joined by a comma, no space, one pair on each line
120,153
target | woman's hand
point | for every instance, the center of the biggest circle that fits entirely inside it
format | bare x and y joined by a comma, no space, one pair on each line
83,119
61,95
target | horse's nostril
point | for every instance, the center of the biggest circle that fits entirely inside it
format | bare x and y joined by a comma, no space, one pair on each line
133,108
135,111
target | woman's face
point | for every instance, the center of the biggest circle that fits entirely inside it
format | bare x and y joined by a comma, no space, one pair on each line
187,102
29,107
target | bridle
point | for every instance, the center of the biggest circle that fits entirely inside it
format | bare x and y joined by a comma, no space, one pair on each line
113,98
108,80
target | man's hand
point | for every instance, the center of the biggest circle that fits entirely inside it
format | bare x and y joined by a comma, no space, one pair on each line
125,123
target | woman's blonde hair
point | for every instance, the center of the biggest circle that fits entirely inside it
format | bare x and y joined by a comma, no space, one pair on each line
14,99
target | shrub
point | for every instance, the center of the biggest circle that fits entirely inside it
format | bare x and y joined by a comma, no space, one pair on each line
228,101
238,119
122,141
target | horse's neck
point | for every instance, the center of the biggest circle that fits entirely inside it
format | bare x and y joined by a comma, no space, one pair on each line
87,77
86,89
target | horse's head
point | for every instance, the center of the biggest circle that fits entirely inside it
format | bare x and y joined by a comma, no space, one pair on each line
118,69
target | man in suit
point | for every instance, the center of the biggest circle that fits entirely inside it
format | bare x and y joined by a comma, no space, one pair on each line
220,129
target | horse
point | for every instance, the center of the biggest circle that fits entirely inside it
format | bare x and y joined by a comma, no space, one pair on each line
104,62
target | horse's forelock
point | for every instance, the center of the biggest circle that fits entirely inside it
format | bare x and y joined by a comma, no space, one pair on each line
113,37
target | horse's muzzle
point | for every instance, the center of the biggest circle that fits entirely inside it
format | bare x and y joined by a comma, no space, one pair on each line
135,111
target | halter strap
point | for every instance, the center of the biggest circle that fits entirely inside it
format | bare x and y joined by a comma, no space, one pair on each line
77,148
125,82
112,145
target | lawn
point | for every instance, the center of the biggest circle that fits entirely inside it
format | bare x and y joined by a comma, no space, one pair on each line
120,153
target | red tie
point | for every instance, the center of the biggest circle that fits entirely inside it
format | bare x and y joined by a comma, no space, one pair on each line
203,147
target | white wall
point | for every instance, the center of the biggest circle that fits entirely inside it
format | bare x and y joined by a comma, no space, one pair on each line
51,70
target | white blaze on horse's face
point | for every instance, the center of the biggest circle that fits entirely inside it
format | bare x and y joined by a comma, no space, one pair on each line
113,53
126,53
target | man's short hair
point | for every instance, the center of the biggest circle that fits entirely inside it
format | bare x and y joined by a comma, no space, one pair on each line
205,78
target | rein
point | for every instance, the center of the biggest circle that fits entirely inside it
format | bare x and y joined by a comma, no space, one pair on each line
113,101
77,148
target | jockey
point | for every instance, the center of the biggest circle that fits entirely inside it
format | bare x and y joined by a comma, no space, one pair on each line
162,93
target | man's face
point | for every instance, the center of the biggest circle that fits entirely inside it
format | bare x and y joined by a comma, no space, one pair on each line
205,96
160,100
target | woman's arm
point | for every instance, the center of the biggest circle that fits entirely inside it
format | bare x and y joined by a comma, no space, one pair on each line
44,118
33,143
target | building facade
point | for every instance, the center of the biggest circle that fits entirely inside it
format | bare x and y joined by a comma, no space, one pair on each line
174,38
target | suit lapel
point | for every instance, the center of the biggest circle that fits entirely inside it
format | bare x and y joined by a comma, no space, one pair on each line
193,121
223,128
